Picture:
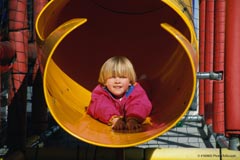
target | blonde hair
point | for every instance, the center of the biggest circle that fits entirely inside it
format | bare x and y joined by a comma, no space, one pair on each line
117,66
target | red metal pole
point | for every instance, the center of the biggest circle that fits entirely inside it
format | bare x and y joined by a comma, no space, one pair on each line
232,68
218,66
208,61
201,54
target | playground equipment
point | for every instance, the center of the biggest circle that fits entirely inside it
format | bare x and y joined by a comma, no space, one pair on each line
157,36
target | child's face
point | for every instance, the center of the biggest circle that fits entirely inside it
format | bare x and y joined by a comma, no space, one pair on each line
118,85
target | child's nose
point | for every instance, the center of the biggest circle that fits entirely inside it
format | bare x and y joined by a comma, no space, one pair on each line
117,79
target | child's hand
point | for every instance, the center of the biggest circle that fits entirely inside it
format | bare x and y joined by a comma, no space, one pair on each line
133,124
118,124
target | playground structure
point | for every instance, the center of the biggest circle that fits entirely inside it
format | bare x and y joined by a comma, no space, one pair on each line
62,87
169,63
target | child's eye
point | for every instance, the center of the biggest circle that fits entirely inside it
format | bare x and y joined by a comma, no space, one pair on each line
122,76
118,77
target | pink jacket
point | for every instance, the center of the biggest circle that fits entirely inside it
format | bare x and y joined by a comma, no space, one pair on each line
135,103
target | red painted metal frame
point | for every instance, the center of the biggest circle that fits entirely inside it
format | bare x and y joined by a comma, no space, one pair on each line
201,54
232,68
208,61
218,66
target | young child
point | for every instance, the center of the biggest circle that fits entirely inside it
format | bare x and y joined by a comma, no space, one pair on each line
118,100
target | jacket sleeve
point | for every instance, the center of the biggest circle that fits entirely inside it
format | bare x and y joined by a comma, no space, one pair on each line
138,105
101,106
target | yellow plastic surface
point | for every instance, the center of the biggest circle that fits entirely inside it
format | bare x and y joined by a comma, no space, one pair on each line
192,154
78,36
